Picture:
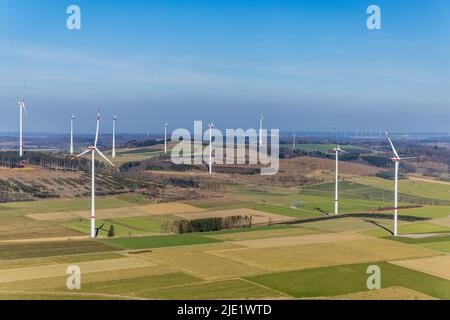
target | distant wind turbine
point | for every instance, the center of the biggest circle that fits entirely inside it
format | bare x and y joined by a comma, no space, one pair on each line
396,160
22,109
113,153
337,150
71,133
211,127
293,143
94,149
261,118
165,138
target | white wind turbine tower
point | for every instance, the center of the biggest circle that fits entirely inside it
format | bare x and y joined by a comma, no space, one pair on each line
293,143
71,133
211,127
396,160
261,118
113,153
337,150
165,138
22,109
94,149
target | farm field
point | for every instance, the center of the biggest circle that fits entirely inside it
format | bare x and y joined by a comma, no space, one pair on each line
325,148
341,280
425,189
230,268
303,259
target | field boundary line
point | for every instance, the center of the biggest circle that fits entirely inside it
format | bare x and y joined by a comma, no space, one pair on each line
180,285
71,293
267,288
212,281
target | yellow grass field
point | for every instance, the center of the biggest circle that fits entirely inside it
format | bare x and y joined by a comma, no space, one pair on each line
40,272
262,234
314,255
133,211
302,240
58,283
441,222
197,261
46,239
391,293
436,266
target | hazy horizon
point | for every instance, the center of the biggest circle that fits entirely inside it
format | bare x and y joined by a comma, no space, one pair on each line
305,65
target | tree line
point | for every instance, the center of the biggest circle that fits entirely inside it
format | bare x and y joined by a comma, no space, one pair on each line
207,224
53,161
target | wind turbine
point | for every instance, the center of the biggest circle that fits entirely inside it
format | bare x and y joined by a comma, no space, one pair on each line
211,127
337,150
293,143
113,153
165,138
261,118
71,133
22,109
94,149
396,160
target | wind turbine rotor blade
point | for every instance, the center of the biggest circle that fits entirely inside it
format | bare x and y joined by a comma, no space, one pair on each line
25,110
96,131
392,145
337,139
104,157
81,154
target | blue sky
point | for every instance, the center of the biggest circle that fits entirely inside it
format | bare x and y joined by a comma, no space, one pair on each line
304,64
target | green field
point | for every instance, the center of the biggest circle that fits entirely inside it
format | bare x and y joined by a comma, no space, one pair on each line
305,260
50,260
139,285
353,190
324,148
441,246
340,280
129,226
411,228
160,241
436,191
139,151
50,249
229,289
307,205
84,226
